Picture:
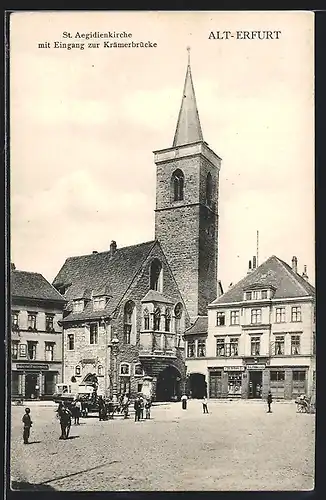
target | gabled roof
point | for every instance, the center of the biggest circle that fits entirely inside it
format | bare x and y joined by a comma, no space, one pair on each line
199,327
188,126
155,296
273,272
31,285
101,272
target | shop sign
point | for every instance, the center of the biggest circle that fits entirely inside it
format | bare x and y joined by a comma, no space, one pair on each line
234,368
256,367
32,366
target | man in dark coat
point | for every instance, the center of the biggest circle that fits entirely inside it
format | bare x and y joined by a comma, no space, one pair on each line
64,415
137,408
27,425
101,408
269,401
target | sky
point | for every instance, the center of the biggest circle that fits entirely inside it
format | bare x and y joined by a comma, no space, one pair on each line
84,125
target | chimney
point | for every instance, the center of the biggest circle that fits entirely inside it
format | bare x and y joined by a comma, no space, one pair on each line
113,247
304,274
294,264
12,266
249,267
254,262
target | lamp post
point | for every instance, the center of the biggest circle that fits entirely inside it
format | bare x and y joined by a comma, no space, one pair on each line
115,350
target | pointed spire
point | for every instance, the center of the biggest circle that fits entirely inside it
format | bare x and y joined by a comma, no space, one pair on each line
188,127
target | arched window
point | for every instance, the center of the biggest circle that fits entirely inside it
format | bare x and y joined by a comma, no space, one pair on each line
156,276
178,315
146,319
157,318
100,370
138,370
129,321
177,185
77,370
167,320
209,189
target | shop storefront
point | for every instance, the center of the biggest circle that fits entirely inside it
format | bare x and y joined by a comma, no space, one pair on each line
234,380
34,380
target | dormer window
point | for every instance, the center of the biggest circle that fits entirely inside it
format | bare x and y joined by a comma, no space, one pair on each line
99,303
156,276
264,294
248,295
78,306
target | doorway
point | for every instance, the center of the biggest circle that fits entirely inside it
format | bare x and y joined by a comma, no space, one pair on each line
197,385
30,386
168,384
255,384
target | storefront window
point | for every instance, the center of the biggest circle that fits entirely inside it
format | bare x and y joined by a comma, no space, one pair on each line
234,384
299,375
277,376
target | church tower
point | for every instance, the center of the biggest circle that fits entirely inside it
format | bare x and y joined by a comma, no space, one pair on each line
186,215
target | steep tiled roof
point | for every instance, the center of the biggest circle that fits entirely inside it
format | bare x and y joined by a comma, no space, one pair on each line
154,296
273,272
101,272
29,285
200,326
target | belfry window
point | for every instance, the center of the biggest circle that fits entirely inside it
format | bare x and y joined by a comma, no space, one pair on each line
156,276
209,189
178,185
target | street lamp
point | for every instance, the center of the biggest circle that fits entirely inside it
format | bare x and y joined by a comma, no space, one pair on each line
115,350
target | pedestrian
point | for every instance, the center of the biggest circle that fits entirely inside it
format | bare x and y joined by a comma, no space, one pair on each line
78,409
101,408
65,421
269,401
184,399
27,425
125,406
148,405
111,408
137,409
141,408
205,409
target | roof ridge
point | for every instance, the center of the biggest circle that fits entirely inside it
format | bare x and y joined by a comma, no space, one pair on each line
108,251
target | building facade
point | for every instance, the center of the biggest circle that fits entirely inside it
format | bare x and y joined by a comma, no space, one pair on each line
124,325
36,336
258,336
128,307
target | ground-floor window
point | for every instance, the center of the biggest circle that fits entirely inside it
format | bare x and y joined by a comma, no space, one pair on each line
49,381
277,383
15,383
298,382
234,384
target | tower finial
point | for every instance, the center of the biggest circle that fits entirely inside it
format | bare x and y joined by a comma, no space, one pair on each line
188,49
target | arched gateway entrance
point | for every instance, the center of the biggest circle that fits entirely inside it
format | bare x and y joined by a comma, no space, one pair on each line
168,384
197,385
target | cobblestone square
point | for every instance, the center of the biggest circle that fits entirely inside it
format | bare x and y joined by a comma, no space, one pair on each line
237,446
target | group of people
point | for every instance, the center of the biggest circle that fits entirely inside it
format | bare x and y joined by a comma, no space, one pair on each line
139,406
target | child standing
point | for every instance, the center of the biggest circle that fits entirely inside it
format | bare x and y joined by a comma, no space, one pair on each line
27,425
205,409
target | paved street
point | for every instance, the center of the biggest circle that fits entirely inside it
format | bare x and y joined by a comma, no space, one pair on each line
237,446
